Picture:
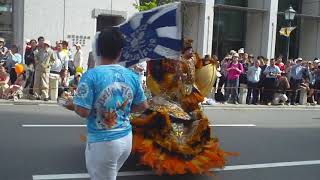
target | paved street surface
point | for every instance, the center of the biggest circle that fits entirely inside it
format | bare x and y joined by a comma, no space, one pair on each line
274,144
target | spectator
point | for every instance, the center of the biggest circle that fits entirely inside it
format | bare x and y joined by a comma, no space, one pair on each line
317,83
15,91
280,64
311,82
91,61
66,53
271,72
78,56
44,59
234,70
4,81
253,74
280,96
298,73
251,60
13,58
60,58
74,83
29,61
40,42
223,78
263,65
3,49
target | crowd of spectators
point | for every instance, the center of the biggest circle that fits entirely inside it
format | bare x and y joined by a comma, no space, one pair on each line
40,61
268,81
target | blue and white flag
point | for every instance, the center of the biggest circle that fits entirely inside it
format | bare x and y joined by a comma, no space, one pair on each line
152,35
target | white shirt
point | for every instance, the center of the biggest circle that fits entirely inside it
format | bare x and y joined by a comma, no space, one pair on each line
78,59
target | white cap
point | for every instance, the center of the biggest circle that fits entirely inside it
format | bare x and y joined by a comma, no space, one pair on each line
241,51
235,55
47,42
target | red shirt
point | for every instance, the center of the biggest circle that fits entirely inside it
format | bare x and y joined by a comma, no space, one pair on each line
282,67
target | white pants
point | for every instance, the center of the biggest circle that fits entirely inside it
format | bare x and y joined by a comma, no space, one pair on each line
104,159
279,98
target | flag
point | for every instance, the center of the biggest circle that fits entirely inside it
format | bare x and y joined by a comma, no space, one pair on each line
286,31
152,35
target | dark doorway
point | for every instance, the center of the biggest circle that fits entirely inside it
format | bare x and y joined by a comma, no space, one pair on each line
104,21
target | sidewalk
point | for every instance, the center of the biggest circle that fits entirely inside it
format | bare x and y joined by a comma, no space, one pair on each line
26,102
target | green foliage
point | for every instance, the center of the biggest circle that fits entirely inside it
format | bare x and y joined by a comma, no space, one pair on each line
149,4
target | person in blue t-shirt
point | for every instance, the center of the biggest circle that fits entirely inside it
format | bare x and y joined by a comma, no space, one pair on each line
106,95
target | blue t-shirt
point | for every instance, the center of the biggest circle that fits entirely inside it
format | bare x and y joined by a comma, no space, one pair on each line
108,91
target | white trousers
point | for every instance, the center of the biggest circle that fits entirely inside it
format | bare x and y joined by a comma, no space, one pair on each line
279,98
104,159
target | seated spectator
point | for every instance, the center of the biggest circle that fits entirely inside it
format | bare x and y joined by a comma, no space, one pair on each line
280,96
63,83
74,83
15,91
13,57
4,80
311,82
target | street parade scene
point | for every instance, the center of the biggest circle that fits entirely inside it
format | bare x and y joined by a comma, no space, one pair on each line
160,89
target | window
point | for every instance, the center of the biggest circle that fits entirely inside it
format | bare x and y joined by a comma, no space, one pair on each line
6,25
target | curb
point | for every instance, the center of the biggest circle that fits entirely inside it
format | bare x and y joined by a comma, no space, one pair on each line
26,102
255,107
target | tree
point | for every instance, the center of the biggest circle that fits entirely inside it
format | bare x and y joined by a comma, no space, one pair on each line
149,4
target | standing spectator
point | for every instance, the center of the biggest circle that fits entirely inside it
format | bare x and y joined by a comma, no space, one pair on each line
280,64
271,72
311,82
60,58
78,56
29,61
234,70
253,74
4,81
223,78
263,65
13,58
44,59
317,83
280,96
298,72
69,63
91,61
65,50
3,49
251,60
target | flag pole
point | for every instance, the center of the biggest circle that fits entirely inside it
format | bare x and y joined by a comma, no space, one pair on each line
288,42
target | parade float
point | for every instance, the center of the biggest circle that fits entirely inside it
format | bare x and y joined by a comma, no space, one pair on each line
173,136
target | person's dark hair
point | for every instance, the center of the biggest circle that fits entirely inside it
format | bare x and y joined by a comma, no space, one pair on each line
110,43
65,43
33,40
15,47
40,38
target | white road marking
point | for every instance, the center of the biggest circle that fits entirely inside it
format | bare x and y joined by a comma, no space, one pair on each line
227,168
83,125
232,125
53,125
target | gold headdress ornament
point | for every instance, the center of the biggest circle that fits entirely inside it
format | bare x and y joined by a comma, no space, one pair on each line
187,44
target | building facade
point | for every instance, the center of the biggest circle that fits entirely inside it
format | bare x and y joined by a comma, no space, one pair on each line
73,20
216,26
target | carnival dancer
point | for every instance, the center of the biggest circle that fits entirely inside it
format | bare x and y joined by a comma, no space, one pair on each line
105,96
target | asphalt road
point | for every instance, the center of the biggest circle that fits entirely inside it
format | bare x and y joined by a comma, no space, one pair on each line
274,136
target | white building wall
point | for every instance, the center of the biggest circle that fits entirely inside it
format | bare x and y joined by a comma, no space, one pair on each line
310,31
198,24
55,20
